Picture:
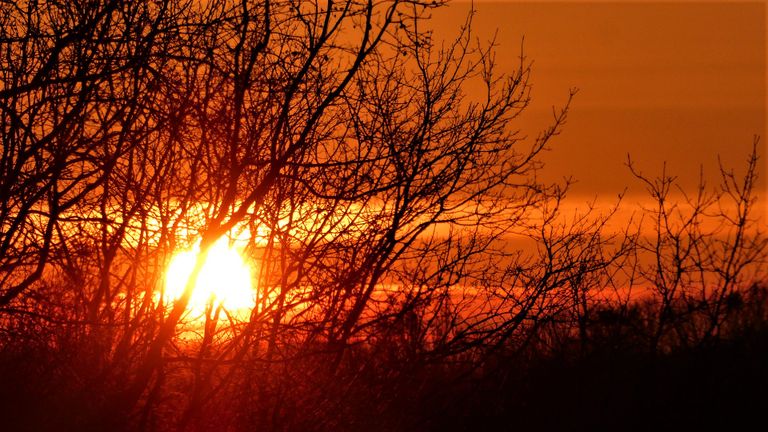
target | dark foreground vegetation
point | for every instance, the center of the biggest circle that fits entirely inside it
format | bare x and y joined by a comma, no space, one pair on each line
410,269
611,380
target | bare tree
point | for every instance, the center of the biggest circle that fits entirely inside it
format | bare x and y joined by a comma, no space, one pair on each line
706,248
393,219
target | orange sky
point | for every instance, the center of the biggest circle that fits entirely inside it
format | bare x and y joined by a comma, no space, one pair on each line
675,81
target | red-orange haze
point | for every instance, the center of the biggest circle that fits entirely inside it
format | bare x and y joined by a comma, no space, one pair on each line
681,82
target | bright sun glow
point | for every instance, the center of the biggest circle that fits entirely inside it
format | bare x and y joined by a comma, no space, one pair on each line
224,278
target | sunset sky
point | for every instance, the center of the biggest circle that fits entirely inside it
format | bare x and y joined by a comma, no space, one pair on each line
304,216
681,82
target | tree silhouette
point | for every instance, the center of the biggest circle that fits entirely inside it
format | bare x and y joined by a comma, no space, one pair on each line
380,204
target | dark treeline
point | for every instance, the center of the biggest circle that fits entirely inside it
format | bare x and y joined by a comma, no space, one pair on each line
410,270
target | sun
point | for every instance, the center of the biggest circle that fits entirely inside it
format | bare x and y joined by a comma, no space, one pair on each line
224,279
